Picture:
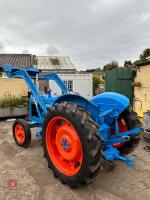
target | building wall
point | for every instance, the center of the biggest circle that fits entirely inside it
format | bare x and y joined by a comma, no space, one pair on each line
82,84
143,92
15,87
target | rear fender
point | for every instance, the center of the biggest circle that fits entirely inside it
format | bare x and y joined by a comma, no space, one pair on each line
79,100
111,100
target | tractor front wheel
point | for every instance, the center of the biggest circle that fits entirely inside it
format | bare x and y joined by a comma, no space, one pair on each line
22,133
71,144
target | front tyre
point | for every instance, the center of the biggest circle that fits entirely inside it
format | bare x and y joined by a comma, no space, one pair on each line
71,144
21,133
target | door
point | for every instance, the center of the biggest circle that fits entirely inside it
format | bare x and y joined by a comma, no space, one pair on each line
121,81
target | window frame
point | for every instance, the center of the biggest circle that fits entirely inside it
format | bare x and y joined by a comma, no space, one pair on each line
69,84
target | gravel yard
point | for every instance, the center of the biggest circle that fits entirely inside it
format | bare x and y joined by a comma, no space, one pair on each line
24,175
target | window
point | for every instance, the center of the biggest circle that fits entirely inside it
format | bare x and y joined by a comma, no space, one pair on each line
69,84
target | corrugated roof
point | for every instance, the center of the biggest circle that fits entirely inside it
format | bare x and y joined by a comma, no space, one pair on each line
54,62
17,60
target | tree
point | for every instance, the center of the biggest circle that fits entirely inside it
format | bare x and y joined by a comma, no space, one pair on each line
144,56
96,82
128,63
110,66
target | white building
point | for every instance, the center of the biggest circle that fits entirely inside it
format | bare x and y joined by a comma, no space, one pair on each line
79,83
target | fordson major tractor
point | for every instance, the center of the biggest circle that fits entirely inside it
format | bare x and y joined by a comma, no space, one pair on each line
77,134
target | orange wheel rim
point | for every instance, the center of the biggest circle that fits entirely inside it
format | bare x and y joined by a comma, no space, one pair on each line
122,125
19,133
64,146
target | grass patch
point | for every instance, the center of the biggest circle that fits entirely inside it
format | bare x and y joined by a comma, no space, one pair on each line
9,101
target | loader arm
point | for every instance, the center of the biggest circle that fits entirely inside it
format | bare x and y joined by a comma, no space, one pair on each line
58,81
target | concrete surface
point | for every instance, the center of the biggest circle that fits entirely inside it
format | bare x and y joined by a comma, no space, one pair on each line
13,111
27,172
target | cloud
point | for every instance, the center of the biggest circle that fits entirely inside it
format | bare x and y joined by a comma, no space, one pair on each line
25,51
52,51
1,46
91,33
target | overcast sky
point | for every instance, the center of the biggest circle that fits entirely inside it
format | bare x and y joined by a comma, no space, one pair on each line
91,32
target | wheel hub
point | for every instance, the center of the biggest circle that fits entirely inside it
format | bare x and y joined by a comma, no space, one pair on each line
20,134
67,142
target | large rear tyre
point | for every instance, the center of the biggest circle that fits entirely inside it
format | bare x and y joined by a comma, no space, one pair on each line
71,144
22,133
132,121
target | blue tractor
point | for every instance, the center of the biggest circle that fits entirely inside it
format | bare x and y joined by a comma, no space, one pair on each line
78,135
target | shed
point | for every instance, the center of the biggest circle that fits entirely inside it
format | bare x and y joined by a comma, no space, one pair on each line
63,66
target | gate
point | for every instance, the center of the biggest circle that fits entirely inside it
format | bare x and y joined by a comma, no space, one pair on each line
121,81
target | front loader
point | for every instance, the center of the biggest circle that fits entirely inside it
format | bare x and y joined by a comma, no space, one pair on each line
78,135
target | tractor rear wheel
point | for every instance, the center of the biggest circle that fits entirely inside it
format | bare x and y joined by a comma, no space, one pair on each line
21,133
131,121
71,144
